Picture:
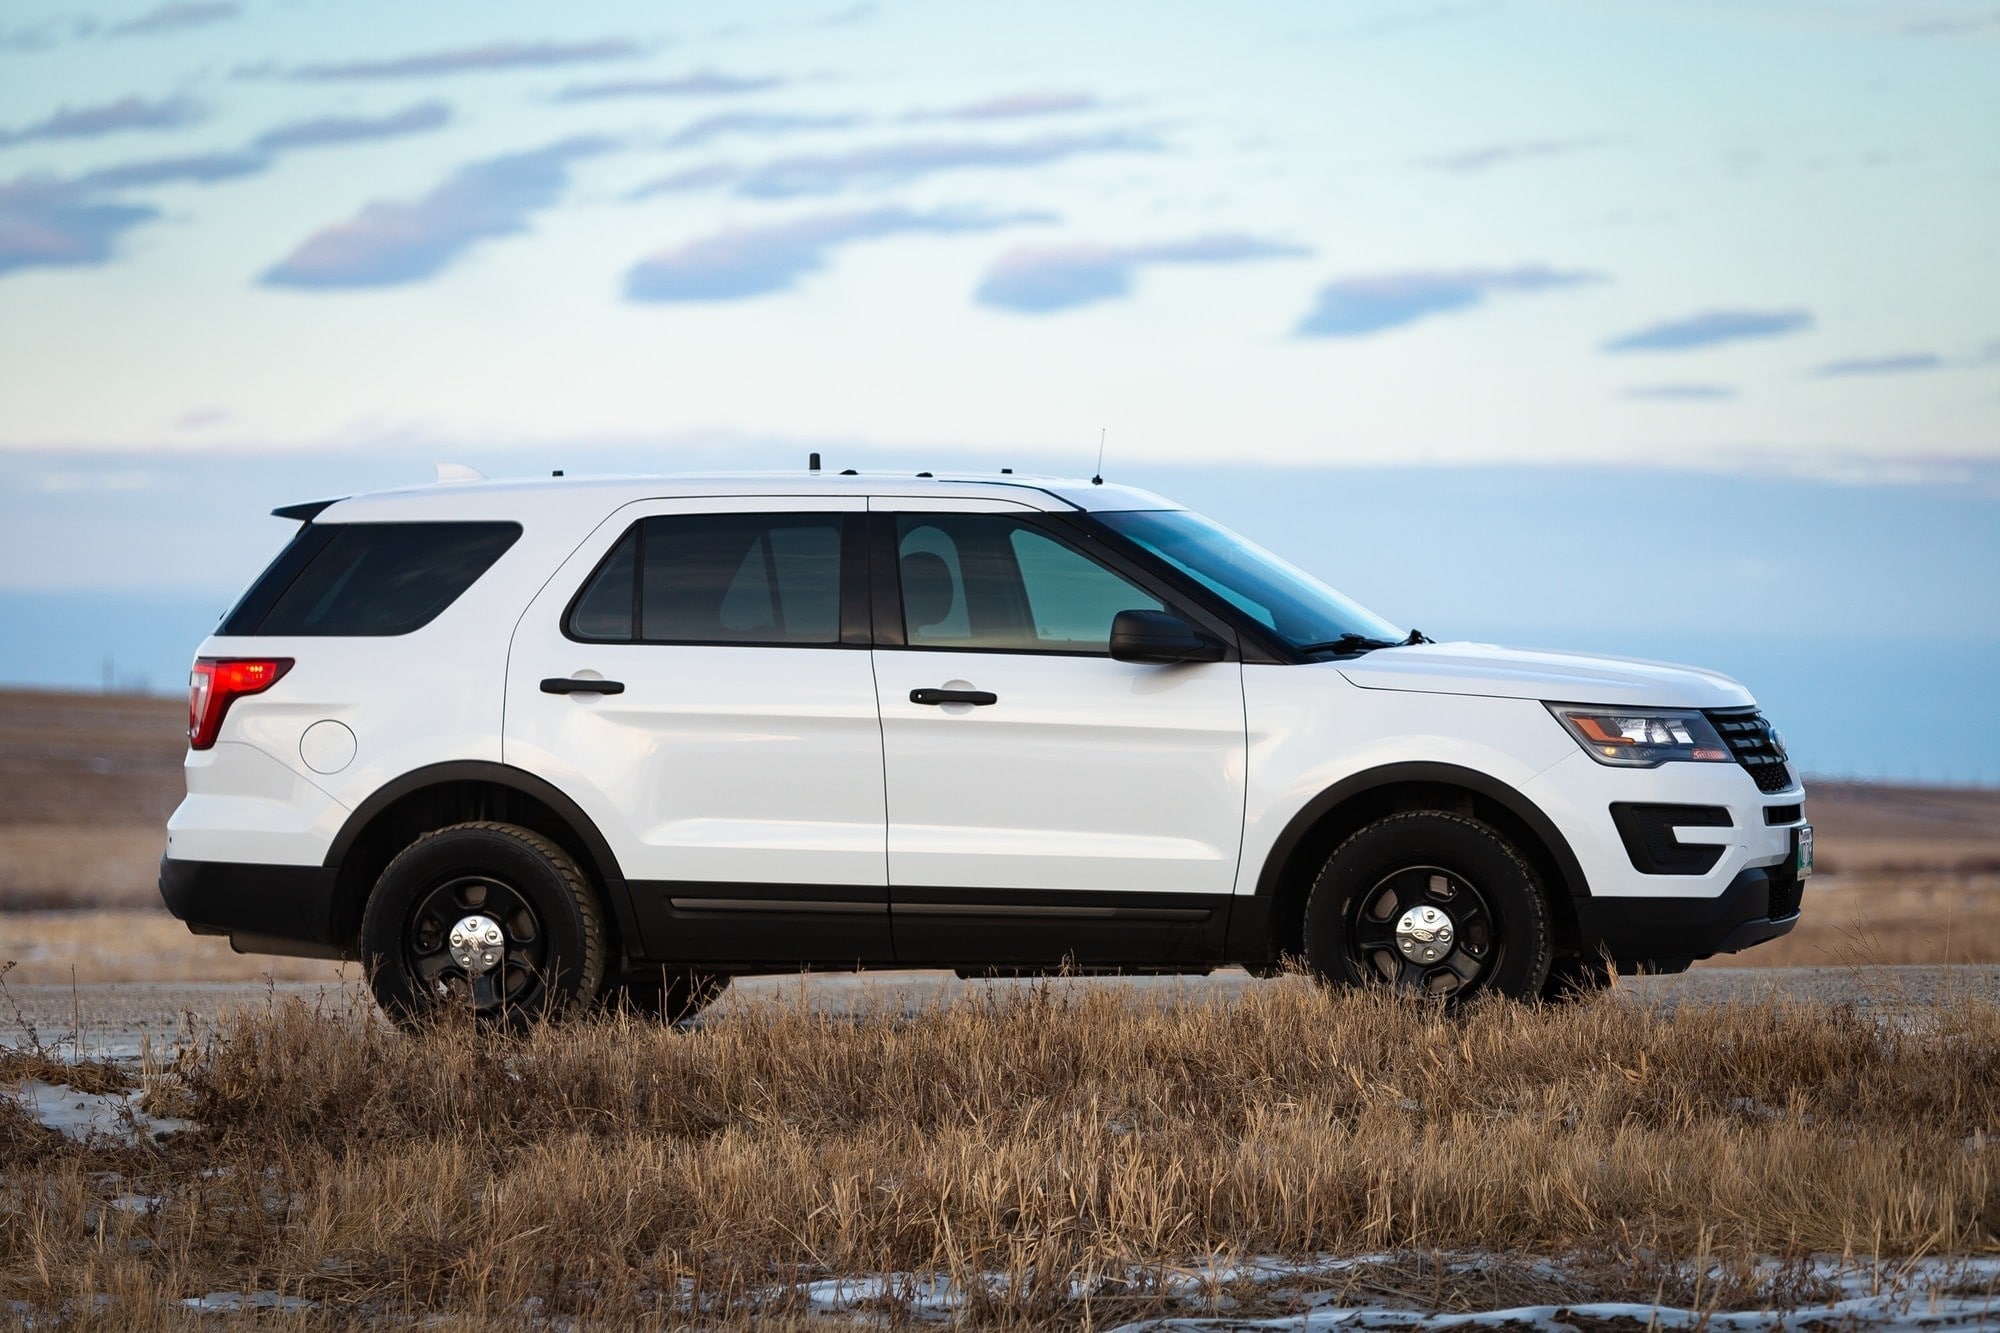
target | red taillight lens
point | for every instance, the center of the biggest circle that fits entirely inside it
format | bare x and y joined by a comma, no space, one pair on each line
218,681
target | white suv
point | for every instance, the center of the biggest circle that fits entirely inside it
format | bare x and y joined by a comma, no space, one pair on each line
529,745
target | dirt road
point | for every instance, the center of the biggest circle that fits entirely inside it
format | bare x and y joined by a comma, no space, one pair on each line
118,1020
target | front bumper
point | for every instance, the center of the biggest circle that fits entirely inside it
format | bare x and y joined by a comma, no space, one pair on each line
286,910
1759,904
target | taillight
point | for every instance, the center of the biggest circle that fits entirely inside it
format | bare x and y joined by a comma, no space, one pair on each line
219,681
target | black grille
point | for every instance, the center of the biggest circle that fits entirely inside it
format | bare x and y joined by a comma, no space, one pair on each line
1750,739
1786,891
1782,814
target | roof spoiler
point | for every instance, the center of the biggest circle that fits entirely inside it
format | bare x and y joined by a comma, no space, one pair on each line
307,512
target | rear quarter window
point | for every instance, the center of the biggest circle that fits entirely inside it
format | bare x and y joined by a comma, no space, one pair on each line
368,579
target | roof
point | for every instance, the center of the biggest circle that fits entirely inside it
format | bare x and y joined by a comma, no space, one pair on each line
512,497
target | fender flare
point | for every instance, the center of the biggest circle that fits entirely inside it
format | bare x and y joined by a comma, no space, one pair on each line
1483,784
604,862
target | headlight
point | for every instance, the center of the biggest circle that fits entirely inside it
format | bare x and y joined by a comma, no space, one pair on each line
1643,738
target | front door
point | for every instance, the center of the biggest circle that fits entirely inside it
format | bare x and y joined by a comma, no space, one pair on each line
737,769
1045,801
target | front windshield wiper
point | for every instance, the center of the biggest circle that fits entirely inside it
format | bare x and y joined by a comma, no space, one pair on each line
1362,643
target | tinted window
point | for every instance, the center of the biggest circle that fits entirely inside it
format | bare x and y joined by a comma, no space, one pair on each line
718,578
372,579
989,581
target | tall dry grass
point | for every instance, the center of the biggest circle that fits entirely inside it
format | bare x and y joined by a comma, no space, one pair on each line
1054,1151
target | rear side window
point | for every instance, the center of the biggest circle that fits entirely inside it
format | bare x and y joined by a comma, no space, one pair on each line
368,579
717,578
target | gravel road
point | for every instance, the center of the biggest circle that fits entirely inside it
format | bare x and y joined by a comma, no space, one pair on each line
120,1020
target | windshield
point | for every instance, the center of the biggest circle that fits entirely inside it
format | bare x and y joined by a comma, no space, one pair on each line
1298,607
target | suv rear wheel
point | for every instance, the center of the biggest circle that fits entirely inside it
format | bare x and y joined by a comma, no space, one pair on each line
487,918
1432,903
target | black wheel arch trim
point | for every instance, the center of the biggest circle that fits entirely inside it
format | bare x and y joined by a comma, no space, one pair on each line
603,865
1418,771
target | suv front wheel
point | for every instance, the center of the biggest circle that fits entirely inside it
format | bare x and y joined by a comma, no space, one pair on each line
1432,903
485,918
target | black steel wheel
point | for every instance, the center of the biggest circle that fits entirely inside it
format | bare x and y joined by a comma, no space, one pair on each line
1432,903
669,994
486,919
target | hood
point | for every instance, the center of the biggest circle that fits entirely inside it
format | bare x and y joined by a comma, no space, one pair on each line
1524,673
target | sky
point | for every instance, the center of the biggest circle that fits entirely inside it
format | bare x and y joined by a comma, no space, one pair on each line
1594,303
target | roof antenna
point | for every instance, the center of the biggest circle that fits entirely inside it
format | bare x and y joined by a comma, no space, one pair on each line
1098,478
812,462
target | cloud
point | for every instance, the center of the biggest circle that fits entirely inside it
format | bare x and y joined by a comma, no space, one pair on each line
89,122
1015,106
57,222
327,131
899,163
1358,307
755,261
1681,393
1470,160
763,124
473,60
1038,281
1879,365
701,83
1711,328
391,243
174,18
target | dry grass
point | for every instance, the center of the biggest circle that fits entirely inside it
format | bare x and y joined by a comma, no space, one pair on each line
57,948
1056,1152
1875,918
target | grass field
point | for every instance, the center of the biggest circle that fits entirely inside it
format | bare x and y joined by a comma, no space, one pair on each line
1058,1157
1908,875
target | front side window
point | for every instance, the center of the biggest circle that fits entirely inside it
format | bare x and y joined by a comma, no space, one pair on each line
717,579
995,582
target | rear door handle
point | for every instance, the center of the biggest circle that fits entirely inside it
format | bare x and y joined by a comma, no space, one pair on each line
953,697
572,685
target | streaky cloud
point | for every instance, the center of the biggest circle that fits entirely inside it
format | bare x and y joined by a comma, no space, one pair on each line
329,131
1486,156
1681,393
47,223
1043,280
900,163
90,122
1015,106
756,124
472,60
176,18
391,243
744,262
56,222
1711,328
701,83
1360,306
1904,364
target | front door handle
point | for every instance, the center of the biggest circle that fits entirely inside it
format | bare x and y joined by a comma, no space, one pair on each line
572,685
953,697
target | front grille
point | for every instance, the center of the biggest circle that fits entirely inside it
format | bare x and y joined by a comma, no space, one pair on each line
1783,814
1750,738
1787,890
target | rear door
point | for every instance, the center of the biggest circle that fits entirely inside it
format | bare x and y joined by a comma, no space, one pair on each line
737,767
1083,808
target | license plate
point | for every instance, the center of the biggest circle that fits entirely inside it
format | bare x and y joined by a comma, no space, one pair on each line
1802,860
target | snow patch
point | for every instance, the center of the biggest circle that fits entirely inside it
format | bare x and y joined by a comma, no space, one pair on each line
86,1115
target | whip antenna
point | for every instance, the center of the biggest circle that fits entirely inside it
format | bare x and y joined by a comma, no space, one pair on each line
1097,479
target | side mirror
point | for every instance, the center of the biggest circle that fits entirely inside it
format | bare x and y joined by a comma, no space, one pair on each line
1160,636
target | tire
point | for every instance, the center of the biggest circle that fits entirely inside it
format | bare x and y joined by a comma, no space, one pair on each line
547,961
668,994
1379,910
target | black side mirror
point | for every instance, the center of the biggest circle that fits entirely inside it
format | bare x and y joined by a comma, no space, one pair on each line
1160,636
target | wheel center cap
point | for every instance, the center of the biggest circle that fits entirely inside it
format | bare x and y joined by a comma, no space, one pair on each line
476,944
1424,934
